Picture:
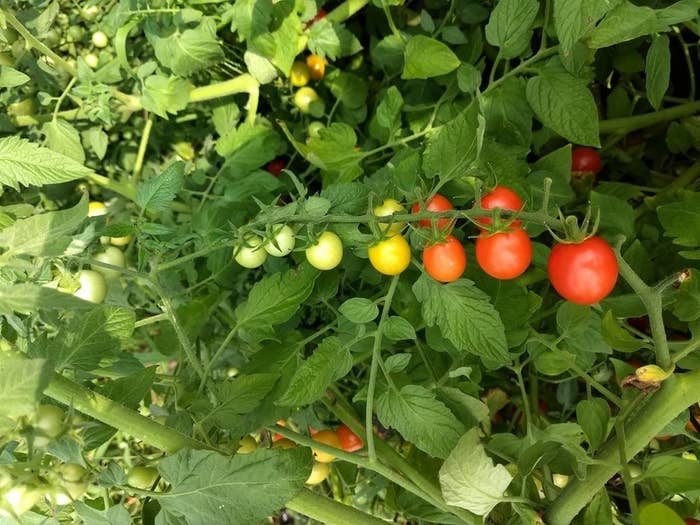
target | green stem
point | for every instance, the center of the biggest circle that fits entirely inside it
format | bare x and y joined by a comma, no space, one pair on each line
326,510
635,122
651,298
118,416
540,55
141,154
242,84
63,97
376,356
676,394
346,10
390,20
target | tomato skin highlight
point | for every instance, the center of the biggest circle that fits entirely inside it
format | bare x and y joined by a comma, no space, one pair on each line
436,204
504,255
327,253
349,441
327,437
584,159
583,273
503,198
445,261
390,256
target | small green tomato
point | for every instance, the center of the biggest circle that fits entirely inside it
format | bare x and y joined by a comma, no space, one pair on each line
282,241
327,253
112,256
93,287
142,477
91,60
314,129
251,254
304,99
99,39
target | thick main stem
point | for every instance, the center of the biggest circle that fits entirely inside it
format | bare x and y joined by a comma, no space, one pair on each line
649,419
328,511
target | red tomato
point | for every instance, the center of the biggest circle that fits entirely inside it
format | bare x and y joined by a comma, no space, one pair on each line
503,198
585,160
348,439
276,166
445,261
437,203
585,272
318,16
504,255
691,521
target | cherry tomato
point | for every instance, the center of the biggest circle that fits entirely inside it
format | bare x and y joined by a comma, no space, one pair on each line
327,253
585,272
93,287
276,166
284,443
304,98
282,242
389,207
503,198
49,420
99,39
251,254
585,159
504,255
348,439
247,444
299,75
445,261
91,60
314,129
319,473
436,204
327,437
114,256
390,256
96,209
142,477
318,16
317,66
21,498
691,521
90,12
120,241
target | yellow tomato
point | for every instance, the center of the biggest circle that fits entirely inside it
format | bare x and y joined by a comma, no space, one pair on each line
327,437
390,256
299,75
317,66
319,473
96,209
120,241
389,207
304,98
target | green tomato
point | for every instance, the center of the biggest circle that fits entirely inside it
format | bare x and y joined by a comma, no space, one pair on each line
282,241
93,287
327,253
304,98
386,208
251,254
100,39
90,12
114,256
142,477
75,33
72,472
21,498
91,60
49,420
314,129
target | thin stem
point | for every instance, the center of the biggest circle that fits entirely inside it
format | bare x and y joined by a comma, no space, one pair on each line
141,154
376,356
688,62
628,124
595,384
151,320
689,349
448,15
186,258
61,98
390,20
625,470
540,55
547,8
242,84
222,347
517,370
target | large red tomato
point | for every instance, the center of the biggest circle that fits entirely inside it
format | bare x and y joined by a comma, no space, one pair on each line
445,261
504,255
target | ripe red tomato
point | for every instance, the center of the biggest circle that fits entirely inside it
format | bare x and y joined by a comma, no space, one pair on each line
445,261
348,439
276,166
436,203
503,198
318,16
504,255
691,521
585,272
585,160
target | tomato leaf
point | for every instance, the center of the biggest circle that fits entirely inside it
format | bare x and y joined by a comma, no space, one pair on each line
332,40
240,396
674,474
470,480
156,194
207,487
330,361
623,23
10,77
507,113
63,138
573,19
465,317
658,70
420,418
681,221
163,95
510,26
598,510
426,57
593,416
655,513
359,311
22,381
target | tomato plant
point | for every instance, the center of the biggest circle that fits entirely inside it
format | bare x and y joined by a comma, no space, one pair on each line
326,253
112,256
300,74
142,477
436,203
390,256
445,261
583,272
275,167
504,255
307,100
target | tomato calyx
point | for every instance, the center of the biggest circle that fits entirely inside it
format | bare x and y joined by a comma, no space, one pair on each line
573,232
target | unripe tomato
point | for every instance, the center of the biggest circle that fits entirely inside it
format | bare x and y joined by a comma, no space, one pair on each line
93,287
504,255
282,241
300,74
49,420
585,159
91,60
275,167
314,129
348,439
304,98
142,477
251,254
71,472
96,209
75,33
21,498
327,253
503,198
327,437
99,39
389,207
445,261
114,256
247,444
319,473
390,256
90,12
22,108
316,66
284,443
560,480
584,272
120,241
436,204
